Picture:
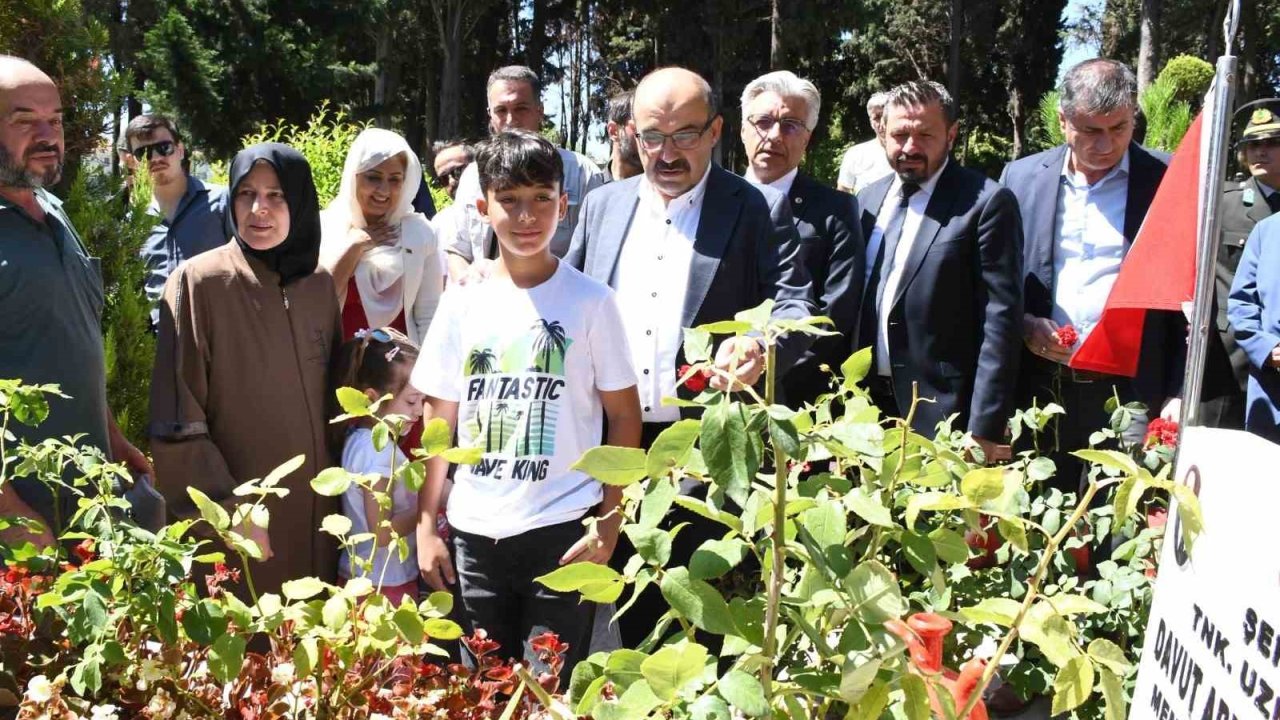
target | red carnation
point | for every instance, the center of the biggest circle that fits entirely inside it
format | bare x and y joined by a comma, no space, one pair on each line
1162,432
1067,336
695,381
84,550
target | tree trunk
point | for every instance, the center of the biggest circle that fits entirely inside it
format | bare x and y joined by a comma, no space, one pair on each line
536,46
382,82
1018,114
957,41
451,70
777,58
1148,43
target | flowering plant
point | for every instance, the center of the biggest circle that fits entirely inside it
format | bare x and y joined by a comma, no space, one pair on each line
1162,432
1067,336
131,623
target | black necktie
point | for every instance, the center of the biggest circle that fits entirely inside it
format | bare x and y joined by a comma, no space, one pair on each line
883,266
1273,201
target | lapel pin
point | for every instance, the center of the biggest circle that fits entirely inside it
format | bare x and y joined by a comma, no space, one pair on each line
799,200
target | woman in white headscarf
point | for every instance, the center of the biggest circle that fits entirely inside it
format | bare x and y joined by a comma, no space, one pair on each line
383,256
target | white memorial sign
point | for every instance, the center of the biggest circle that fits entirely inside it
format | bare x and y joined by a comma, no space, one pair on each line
1212,649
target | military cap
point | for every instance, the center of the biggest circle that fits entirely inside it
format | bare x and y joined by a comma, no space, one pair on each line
1264,121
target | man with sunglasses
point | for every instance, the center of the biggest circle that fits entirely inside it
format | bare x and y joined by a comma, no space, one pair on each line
779,114
515,103
684,244
451,159
190,214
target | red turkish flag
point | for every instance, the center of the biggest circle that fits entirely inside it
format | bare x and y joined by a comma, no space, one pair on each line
1159,271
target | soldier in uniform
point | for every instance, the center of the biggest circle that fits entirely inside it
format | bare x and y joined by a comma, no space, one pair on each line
1246,200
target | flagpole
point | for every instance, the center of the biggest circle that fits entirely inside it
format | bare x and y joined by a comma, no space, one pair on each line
1217,130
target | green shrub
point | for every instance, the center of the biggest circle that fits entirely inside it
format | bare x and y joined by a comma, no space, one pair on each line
1047,132
1189,77
985,151
114,228
1167,117
324,142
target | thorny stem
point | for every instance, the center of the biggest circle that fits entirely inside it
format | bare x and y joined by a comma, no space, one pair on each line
777,536
1033,592
877,537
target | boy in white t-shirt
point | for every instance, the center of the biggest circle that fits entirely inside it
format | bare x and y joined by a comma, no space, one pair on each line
525,365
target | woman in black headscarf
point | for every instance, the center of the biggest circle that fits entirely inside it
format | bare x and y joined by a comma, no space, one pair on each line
241,373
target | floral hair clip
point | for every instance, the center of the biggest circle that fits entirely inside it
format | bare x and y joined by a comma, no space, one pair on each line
391,354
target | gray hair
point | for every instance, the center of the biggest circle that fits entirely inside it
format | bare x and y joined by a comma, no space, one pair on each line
918,93
875,105
516,73
1098,87
786,84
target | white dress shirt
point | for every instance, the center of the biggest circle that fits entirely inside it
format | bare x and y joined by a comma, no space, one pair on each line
782,184
910,226
652,280
1089,232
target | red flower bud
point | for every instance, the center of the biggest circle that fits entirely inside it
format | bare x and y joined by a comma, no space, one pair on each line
1067,336
696,382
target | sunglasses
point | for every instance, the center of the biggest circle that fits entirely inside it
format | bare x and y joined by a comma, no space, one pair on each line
163,149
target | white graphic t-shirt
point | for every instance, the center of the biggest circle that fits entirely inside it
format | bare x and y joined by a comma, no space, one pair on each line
525,366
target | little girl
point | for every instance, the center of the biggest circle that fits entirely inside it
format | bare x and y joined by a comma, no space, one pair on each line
377,362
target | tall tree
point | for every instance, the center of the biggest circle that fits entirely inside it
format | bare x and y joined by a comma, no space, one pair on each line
1149,42
454,21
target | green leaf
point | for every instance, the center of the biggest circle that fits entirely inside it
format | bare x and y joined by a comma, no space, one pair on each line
205,621
463,456
1189,513
409,623
357,587
1109,459
825,524
302,588
286,468
212,512
1108,654
919,552
872,704
714,558
875,593
1072,684
728,452
785,437
413,475
725,327
335,612
743,692
658,498
336,525
757,317
933,501
637,702
331,482
611,465
353,402
226,656
672,447
306,655
1067,605
997,611
916,697
442,629
697,602
623,667
381,436
1115,702
1041,468
855,368
710,707
436,436
671,668
439,601
572,577
855,679
1012,530
860,502
652,544
697,345
949,545
1049,632
983,484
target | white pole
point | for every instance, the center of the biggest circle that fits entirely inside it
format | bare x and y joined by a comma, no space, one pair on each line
1215,137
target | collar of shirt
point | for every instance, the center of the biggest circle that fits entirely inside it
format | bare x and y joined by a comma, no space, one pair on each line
782,184
1076,180
651,201
1267,190
194,186
926,187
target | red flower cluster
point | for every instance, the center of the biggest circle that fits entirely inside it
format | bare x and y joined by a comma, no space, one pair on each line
221,574
84,551
696,382
1067,336
1162,432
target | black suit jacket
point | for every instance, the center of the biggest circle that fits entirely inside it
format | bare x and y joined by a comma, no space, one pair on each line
833,250
745,251
954,321
1035,180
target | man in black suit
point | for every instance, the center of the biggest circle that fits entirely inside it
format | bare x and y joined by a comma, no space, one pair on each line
1082,205
943,301
686,243
779,113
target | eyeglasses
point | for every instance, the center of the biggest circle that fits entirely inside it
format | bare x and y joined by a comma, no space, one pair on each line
652,140
764,124
454,173
163,149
